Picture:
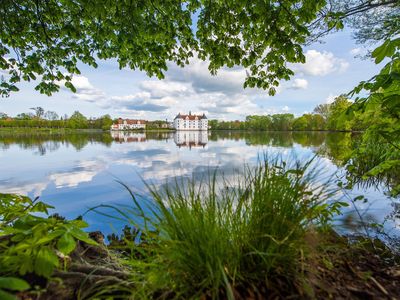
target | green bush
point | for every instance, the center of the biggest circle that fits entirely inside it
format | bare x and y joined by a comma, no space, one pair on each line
29,242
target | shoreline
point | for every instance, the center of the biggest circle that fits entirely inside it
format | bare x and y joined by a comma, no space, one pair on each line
56,130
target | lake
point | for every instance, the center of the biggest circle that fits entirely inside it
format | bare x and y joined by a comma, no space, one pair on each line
77,171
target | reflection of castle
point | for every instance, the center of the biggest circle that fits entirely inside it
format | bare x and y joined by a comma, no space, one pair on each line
191,138
127,137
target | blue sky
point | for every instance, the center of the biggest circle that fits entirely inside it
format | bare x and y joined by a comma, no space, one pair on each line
332,68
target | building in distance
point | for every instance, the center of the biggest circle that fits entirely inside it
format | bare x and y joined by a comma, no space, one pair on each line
191,122
128,124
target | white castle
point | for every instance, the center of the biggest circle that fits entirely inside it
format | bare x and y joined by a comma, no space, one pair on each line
190,122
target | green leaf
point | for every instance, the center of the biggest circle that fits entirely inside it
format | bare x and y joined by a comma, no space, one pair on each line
48,238
66,244
82,236
7,296
46,261
343,204
385,50
382,167
13,284
70,86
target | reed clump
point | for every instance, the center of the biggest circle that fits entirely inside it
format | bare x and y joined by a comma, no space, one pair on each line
214,236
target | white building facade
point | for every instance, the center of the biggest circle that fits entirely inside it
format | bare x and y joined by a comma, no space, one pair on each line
127,124
191,122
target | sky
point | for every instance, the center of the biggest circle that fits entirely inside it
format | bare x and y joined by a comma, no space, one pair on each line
332,68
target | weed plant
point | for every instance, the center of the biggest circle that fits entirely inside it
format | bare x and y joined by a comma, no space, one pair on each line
216,235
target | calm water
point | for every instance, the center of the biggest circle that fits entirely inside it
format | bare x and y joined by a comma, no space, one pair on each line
75,172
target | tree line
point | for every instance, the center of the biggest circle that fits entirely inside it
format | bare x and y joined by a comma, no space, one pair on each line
40,118
324,117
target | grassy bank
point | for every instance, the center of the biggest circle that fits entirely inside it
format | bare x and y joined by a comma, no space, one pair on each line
263,233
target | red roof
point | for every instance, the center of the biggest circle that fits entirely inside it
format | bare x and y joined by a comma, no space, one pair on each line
131,121
190,117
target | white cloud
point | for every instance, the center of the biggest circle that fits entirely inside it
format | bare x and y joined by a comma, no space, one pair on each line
285,108
194,89
159,89
330,98
142,101
321,64
85,90
228,81
299,84
359,52
355,51
219,104
81,83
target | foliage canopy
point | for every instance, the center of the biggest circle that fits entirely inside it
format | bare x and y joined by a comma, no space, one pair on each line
46,40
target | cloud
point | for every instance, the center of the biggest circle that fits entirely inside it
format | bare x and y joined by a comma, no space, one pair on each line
141,101
299,84
330,98
159,89
321,64
219,104
228,81
355,51
358,52
144,106
85,90
192,88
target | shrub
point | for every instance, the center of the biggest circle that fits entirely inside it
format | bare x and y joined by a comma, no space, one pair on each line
29,242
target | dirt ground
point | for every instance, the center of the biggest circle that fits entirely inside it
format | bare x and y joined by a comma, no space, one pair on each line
334,268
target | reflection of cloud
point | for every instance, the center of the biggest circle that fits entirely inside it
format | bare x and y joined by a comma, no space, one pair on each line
24,188
71,179
83,172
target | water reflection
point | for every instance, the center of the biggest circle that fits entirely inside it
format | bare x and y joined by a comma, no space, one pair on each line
47,141
75,171
191,139
128,137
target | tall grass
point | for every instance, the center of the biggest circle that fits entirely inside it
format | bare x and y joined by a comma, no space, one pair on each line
215,236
